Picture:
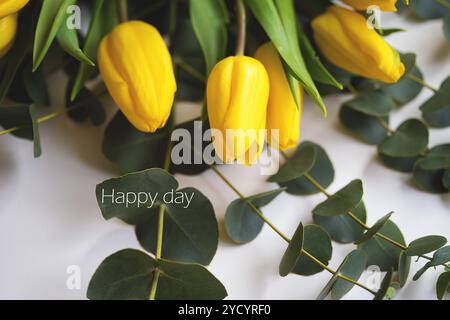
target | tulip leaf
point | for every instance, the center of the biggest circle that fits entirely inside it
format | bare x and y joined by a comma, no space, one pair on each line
404,266
385,285
295,167
425,245
53,15
277,17
209,20
382,253
343,228
374,229
85,106
184,237
436,111
429,180
352,267
242,224
343,201
322,172
128,274
292,253
365,127
316,242
68,40
25,117
442,285
104,19
373,104
410,139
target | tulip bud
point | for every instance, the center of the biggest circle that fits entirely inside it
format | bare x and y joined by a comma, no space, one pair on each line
137,69
8,7
283,114
384,5
8,29
237,96
344,39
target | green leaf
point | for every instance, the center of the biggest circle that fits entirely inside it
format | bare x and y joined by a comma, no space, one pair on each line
364,127
437,158
405,90
385,285
421,271
424,245
53,15
292,253
401,164
85,106
410,139
184,237
375,228
447,26
373,104
68,40
322,172
436,111
441,256
442,285
210,19
278,19
128,275
316,242
35,84
388,32
242,224
446,179
295,167
112,194
382,253
352,267
104,19
429,180
25,117
404,265
343,228
426,9
343,201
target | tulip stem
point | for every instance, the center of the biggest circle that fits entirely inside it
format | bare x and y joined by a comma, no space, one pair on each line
421,82
285,238
122,6
363,225
241,27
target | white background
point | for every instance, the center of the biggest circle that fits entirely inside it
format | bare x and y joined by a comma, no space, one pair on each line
49,218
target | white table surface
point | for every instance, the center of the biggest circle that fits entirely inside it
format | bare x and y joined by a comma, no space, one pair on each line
49,219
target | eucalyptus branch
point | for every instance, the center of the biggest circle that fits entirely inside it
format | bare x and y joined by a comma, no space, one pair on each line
421,82
241,26
179,61
284,237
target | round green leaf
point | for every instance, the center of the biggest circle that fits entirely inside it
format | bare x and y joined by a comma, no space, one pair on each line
316,242
436,111
295,167
429,180
401,164
374,104
426,9
375,228
437,158
190,231
385,285
293,252
343,228
447,26
404,266
322,171
442,285
424,245
242,224
380,252
364,127
405,90
342,201
410,139
352,267
441,256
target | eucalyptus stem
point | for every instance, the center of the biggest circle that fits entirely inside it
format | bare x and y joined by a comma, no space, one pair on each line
285,238
384,124
443,3
179,61
421,82
123,10
241,26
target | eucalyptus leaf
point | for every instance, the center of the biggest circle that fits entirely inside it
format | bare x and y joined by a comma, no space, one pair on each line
292,253
429,180
421,271
442,285
295,167
242,224
406,89
322,172
353,267
374,229
382,253
441,256
373,104
426,9
446,179
401,164
316,242
35,85
437,158
425,245
409,140
85,106
385,285
436,111
343,201
404,266
447,26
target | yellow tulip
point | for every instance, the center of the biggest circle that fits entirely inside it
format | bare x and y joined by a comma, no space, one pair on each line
137,69
8,29
385,5
283,115
237,96
344,39
8,7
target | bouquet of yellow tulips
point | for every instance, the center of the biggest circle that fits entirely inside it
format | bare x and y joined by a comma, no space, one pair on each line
250,64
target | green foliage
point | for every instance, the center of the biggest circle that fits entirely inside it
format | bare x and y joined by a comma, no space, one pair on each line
293,252
343,201
436,111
